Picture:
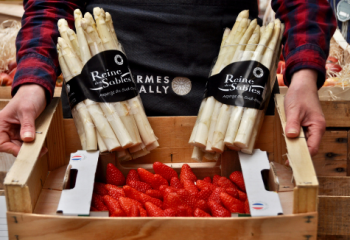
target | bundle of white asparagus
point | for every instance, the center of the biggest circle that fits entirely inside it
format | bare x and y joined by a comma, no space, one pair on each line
219,125
111,126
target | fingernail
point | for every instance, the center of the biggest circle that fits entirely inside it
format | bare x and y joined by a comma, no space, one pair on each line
28,135
292,131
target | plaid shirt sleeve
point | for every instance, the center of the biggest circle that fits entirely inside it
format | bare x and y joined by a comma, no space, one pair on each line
310,24
36,42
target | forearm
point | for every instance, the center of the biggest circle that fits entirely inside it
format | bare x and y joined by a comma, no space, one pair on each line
310,25
36,43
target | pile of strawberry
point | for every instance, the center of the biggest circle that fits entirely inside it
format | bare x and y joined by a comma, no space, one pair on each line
164,194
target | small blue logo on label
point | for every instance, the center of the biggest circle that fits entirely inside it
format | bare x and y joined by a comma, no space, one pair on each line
77,157
259,206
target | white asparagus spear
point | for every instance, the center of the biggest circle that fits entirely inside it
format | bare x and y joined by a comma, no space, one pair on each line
141,153
88,16
128,120
256,129
80,128
137,148
102,125
197,154
213,121
109,23
74,42
94,41
228,40
103,30
143,125
194,131
152,146
122,153
211,156
221,127
232,46
127,157
101,144
250,115
86,126
237,111
83,45
63,28
117,125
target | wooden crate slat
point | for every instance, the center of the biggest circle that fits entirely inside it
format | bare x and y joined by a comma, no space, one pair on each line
334,186
25,226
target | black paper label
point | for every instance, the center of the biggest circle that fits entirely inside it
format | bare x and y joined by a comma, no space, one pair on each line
105,78
240,84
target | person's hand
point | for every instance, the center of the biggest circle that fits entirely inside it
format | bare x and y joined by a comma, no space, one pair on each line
17,119
303,109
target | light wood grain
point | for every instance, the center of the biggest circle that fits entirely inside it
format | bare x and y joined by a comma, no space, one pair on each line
331,159
26,226
28,173
55,141
48,202
54,179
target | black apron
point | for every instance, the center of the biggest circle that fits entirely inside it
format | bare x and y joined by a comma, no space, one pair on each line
171,46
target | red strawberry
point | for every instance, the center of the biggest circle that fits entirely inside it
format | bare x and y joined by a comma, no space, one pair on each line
225,183
134,211
164,170
175,182
141,197
187,198
97,203
205,194
139,186
115,191
153,210
99,188
114,175
246,207
242,196
172,200
233,192
143,212
207,179
132,176
187,174
155,193
216,179
231,203
217,210
203,184
118,213
189,186
215,196
203,205
184,211
126,203
158,181
169,212
166,189
145,176
113,206
200,213
237,178
92,209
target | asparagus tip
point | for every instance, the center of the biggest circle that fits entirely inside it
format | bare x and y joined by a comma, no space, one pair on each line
108,16
62,22
84,23
77,14
62,42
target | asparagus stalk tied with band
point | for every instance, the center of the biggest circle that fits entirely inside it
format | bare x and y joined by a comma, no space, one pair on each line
110,125
219,125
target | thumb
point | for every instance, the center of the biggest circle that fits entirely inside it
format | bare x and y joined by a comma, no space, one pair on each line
293,123
27,121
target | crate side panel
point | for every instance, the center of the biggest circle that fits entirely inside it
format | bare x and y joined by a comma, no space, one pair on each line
337,113
25,226
331,159
334,186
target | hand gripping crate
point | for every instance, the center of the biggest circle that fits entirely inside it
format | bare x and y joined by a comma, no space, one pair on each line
33,186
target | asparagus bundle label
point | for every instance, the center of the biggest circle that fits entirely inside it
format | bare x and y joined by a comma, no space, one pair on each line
240,84
104,78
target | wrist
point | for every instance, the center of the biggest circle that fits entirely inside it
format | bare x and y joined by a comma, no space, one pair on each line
304,79
33,92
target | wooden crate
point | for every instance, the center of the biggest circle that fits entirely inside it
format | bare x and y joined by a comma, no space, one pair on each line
332,165
33,187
